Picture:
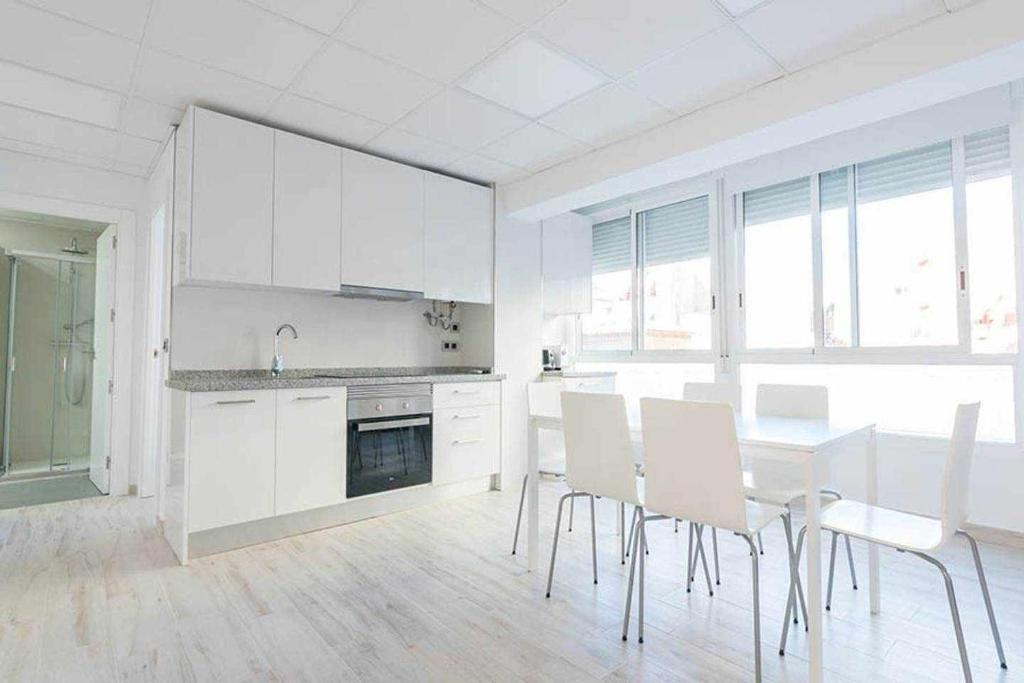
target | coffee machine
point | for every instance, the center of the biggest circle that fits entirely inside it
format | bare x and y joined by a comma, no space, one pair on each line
552,357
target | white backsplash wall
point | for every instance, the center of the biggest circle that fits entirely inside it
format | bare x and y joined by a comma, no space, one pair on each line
233,329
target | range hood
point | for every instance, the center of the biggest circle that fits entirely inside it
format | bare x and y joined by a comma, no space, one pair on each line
378,293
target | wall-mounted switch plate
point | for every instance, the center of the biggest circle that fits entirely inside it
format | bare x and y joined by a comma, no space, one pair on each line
450,346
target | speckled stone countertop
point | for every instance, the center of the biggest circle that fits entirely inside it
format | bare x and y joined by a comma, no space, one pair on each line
247,380
579,373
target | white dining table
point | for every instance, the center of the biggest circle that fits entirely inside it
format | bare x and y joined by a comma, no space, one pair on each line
807,442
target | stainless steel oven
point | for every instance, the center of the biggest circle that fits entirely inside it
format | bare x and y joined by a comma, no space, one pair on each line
390,428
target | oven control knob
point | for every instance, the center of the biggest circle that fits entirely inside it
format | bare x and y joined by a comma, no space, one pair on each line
379,407
405,405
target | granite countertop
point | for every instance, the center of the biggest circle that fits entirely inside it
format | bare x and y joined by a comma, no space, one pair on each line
247,380
580,373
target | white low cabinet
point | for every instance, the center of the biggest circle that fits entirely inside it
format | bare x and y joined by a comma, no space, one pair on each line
311,448
231,458
459,241
467,431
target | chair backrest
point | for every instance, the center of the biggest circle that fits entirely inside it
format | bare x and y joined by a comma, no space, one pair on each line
713,392
598,452
792,400
957,480
542,398
692,463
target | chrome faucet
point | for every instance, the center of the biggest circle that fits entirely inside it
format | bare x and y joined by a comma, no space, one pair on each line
278,365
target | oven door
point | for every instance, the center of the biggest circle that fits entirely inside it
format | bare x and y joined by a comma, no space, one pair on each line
388,453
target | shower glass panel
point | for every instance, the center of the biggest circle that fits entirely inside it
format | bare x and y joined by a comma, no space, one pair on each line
49,365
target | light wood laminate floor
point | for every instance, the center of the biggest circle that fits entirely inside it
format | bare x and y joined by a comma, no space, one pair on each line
90,592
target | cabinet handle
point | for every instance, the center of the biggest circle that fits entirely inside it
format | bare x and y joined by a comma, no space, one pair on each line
311,398
460,391
236,403
465,417
462,442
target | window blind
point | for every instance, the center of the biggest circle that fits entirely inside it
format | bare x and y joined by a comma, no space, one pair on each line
777,202
834,189
987,154
677,232
919,170
611,249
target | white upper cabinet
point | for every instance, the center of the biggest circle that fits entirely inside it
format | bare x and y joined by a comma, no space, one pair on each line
232,200
307,213
459,241
567,255
382,223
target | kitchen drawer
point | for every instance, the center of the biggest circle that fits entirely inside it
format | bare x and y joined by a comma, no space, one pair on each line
466,443
458,394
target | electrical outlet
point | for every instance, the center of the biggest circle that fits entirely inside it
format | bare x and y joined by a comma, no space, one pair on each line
450,346
455,327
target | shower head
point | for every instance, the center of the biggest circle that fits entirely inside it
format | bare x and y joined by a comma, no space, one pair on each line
73,249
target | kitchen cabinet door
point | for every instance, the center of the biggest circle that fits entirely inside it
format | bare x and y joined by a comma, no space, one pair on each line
458,241
232,200
567,255
231,458
466,443
311,448
307,213
381,223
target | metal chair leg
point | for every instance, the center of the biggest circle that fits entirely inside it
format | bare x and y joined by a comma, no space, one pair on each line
689,559
554,546
831,572
632,529
714,546
622,533
676,521
593,537
519,515
954,611
634,541
790,608
640,598
794,572
760,543
572,508
988,598
849,557
704,558
757,608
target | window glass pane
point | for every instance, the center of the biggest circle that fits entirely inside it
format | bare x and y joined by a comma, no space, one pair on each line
608,327
677,276
905,249
915,399
778,273
990,242
656,380
835,257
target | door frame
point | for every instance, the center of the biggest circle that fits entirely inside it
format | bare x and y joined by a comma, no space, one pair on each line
121,465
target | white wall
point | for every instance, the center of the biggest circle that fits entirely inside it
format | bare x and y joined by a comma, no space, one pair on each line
233,329
518,332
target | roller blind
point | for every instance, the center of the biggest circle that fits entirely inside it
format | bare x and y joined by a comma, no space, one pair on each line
919,170
611,250
987,154
677,232
833,188
777,202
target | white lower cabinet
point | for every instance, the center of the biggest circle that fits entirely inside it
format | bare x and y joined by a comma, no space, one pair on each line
231,458
466,443
311,446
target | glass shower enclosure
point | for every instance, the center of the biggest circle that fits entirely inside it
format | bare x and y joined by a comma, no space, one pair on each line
46,368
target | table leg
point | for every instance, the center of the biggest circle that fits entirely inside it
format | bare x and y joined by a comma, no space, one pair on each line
872,499
532,496
813,584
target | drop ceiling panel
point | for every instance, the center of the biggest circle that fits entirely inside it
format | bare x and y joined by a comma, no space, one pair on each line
461,119
483,169
607,114
525,12
150,120
801,32
710,69
53,131
234,36
534,147
738,7
322,15
308,117
137,152
123,17
618,36
355,81
413,149
178,83
440,39
67,48
531,78
33,89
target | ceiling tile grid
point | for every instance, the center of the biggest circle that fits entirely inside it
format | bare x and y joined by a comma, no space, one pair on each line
491,90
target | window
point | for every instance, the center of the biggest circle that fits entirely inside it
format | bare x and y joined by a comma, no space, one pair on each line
609,325
676,276
990,241
778,275
836,286
906,250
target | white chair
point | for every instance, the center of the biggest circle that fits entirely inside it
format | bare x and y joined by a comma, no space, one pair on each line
923,536
804,401
692,459
598,459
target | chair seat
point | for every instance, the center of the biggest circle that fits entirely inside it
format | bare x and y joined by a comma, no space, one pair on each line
880,525
760,515
781,496
552,468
